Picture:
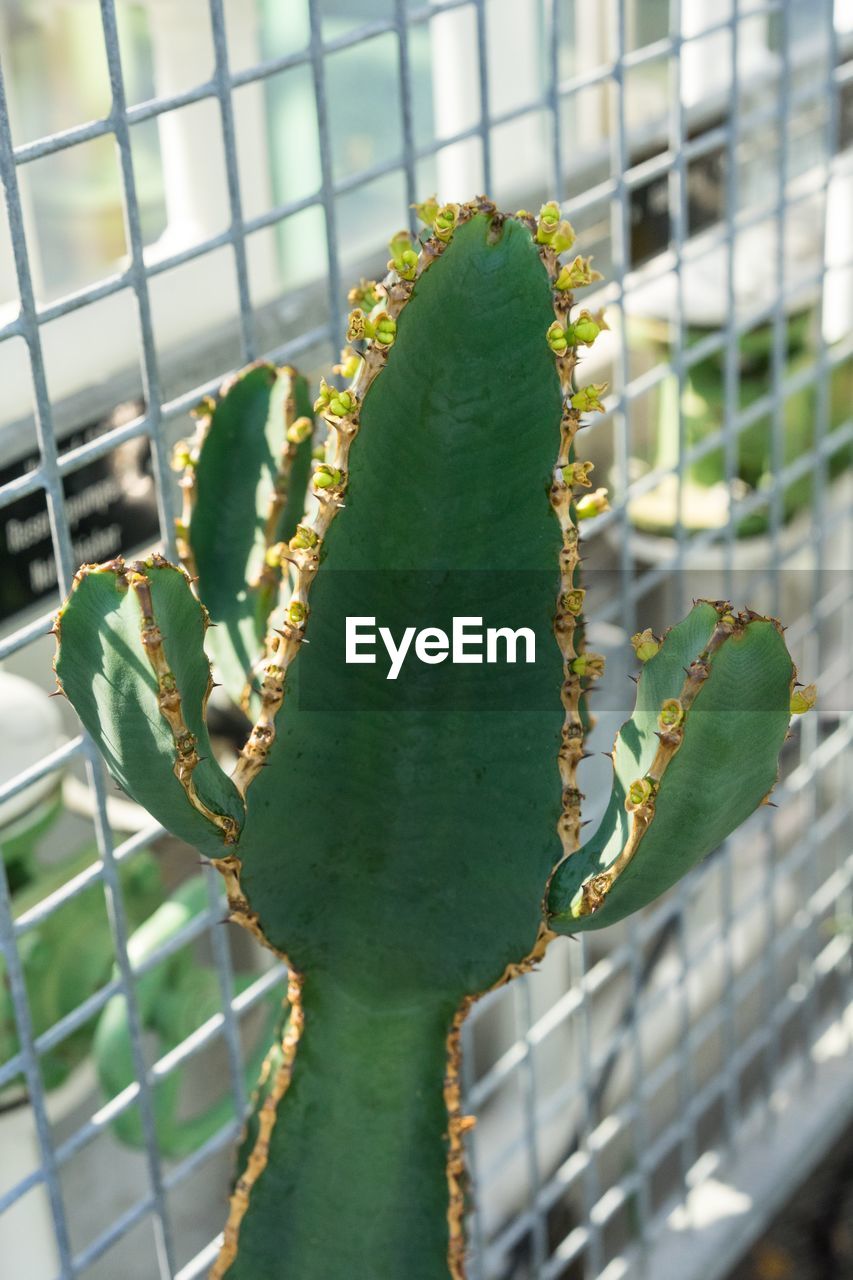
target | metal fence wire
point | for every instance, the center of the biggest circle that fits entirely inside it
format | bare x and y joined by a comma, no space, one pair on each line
648,1099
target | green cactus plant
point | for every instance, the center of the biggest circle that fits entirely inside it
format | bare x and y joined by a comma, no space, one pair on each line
410,844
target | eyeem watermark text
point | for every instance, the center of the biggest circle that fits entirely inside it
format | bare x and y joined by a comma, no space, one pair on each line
469,642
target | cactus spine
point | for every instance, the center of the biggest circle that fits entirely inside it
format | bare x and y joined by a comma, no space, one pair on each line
408,848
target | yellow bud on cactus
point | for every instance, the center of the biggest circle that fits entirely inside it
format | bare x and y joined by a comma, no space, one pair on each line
204,408
549,220
577,275
404,258
645,644
357,326
299,430
384,329
365,294
572,601
592,504
802,700
324,396
327,477
588,399
349,365
342,404
671,714
304,539
427,211
590,665
563,237
297,612
557,340
584,330
639,793
181,456
578,473
444,223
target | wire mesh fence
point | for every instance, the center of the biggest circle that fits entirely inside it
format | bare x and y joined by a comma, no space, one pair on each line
634,1094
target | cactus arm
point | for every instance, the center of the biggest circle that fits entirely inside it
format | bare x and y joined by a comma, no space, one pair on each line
244,481
698,755
130,657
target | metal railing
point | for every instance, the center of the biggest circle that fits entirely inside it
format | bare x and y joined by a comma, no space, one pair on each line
619,1088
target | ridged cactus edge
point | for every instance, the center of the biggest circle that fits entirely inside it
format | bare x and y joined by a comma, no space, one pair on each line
404,858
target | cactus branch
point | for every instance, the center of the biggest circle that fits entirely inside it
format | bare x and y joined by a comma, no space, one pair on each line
244,479
698,755
135,576
130,657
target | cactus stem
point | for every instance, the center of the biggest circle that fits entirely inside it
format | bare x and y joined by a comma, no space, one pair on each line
267,1116
330,478
640,801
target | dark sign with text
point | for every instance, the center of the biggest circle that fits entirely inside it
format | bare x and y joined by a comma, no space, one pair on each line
109,504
